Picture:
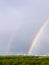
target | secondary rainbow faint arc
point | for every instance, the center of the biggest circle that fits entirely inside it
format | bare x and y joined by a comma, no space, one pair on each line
37,36
13,35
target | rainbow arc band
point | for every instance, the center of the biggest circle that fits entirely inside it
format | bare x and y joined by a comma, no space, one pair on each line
37,36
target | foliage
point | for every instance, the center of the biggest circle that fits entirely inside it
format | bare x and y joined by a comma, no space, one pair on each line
24,60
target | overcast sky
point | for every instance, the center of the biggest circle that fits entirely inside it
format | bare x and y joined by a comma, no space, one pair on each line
19,22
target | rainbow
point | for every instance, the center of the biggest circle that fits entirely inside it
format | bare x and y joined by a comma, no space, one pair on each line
13,35
36,37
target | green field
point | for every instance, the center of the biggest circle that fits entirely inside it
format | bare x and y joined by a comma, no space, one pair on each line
24,60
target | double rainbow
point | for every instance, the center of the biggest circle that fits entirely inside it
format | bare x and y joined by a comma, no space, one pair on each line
34,40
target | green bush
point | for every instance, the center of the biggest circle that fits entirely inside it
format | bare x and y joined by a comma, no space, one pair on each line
24,60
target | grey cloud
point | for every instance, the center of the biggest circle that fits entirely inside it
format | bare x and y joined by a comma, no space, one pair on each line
24,17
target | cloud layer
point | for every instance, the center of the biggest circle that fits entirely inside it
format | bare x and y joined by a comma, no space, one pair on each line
24,18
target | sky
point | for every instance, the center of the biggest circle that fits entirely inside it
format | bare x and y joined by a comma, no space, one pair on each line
20,21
